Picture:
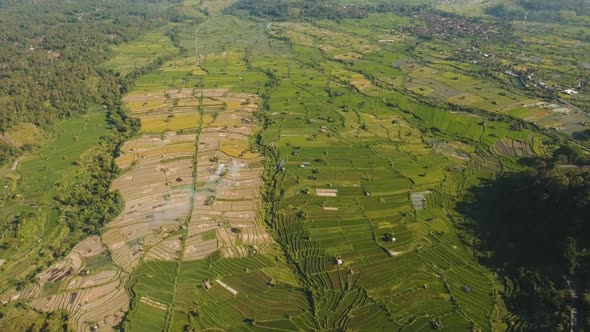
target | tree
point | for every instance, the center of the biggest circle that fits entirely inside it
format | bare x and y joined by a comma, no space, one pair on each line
532,227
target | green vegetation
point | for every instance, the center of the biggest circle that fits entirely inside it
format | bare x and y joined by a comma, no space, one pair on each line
172,295
335,131
260,299
59,193
377,148
138,54
41,226
50,56
46,166
541,215
17,318
540,10
422,168
359,146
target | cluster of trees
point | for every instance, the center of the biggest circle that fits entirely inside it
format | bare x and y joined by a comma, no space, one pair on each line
85,201
540,10
16,317
583,135
533,227
283,10
294,9
50,51
581,7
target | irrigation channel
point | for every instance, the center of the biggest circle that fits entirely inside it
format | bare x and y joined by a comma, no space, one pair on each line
184,228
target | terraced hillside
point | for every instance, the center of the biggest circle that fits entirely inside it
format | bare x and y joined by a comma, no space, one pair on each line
297,176
364,197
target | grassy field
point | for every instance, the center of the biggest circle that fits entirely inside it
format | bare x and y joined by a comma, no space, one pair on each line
51,163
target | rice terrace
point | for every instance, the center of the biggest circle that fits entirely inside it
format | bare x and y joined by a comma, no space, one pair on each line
265,165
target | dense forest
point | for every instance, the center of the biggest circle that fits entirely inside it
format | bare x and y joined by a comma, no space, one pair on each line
279,10
49,56
533,228
324,9
540,10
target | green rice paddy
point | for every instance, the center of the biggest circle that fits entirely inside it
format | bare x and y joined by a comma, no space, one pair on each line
367,147
375,148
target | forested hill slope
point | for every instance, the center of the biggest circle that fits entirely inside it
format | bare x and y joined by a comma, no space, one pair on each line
49,53
556,11
532,227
